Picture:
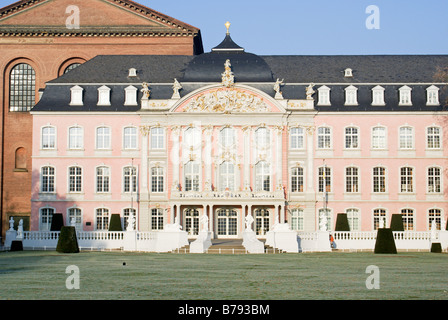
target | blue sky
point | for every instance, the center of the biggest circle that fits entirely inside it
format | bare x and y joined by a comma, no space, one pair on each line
317,27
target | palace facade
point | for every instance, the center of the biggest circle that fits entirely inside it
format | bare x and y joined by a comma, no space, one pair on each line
228,133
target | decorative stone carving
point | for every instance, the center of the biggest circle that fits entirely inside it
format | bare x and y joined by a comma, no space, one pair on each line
227,100
310,91
176,87
228,78
146,91
277,88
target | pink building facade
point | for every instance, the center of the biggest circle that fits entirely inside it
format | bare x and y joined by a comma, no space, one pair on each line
121,135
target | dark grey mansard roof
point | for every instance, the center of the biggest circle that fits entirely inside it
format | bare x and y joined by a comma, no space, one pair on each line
389,71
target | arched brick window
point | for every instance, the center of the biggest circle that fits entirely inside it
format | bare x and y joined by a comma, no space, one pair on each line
20,159
22,88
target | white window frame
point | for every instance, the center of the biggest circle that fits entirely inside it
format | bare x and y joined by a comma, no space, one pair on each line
226,178
381,212
192,173
263,171
227,137
157,219
130,139
78,217
103,96
50,184
354,218
405,96
406,212
409,180
351,135
406,137
351,96
297,179
297,219
130,94
354,179
434,181
435,137
157,179
76,139
130,179
105,219
325,181
380,178
378,96
77,182
47,225
297,138
48,140
432,96
105,186
324,138
76,93
324,96
103,138
379,142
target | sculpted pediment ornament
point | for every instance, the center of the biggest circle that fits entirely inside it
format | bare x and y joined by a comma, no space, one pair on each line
227,100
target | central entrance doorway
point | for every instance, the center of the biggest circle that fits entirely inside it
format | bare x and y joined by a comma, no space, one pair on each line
226,223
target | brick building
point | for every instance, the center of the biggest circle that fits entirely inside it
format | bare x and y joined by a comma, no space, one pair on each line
41,40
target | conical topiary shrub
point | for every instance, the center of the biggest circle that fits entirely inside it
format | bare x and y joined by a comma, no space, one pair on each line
67,243
436,247
396,223
342,223
385,242
57,222
115,222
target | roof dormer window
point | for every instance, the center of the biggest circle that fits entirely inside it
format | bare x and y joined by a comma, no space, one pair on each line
378,96
351,96
348,73
432,94
405,96
130,96
324,96
104,96
132,72
76,96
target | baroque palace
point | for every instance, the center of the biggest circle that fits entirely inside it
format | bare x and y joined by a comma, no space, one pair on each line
127,115
229,134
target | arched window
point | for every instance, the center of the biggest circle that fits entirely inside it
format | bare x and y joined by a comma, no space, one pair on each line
262,176
227,176
71,67
22,88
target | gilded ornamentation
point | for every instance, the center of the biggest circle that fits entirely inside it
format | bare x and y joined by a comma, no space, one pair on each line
228,78
227,100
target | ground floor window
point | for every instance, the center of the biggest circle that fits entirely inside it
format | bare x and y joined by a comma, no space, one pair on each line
378,216
46,216
408,219
102,219
192,221
434,215
75,215
156,219
297,219
353,217
227,222
261,221
128,213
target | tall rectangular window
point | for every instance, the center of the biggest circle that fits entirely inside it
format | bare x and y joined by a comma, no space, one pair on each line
297,220
130,179
157,219
324,179
191,173
297,179
103,138
351,138
262,176
102,219
75,179
406,178
434,180
351,180
46,217
47,180
22,88
48,137
75,138
157,179
157,138
324,138
408,219
406,138
297,138
378,216
433,138
102,180
379,179
379,138
130,138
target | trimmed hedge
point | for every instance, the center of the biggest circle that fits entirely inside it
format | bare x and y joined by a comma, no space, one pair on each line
396,223
57,222
16,245
67,243
436,247
385,242
342,223
115,222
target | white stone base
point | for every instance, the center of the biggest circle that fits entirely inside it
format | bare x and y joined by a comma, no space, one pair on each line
169,240
202,243
11,235
251,243
283,238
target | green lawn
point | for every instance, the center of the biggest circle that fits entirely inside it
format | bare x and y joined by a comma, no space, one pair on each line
42,275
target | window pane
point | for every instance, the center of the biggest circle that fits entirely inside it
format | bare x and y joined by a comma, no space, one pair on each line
22,88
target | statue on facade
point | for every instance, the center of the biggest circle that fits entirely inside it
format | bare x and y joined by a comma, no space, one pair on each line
131,222
277,88
176,87
11,224
204,223
310,91
227,77
146,91
20,230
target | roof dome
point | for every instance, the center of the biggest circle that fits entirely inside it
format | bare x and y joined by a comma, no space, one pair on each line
246,67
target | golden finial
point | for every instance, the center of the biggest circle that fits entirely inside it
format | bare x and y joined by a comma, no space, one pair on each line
227,26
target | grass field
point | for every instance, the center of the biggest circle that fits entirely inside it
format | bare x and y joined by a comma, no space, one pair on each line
133,276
